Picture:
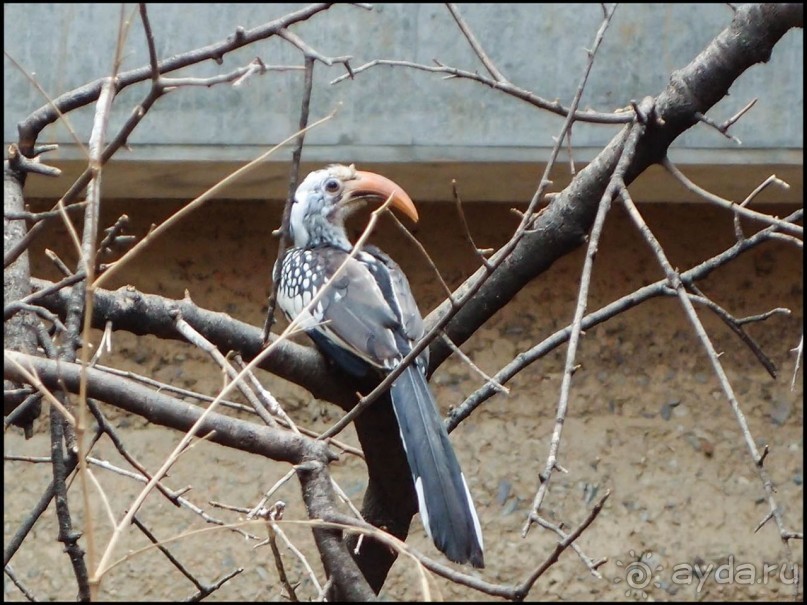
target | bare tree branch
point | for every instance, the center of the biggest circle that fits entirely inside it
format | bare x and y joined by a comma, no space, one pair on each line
563,225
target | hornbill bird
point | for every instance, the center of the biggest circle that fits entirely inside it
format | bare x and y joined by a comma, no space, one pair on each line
367,321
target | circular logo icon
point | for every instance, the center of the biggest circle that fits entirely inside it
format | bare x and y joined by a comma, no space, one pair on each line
638,573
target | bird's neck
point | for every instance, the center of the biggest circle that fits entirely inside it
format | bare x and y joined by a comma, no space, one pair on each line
320,232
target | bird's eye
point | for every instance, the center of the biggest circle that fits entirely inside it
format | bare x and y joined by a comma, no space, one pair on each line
332,185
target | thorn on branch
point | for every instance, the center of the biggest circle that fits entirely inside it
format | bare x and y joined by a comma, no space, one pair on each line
19,163
312,53
723,128
763,455
765,519
35,217
645,110
709,122
349,69
728,123
113,235
206,590
481,252
60,264
256,66
640,117
798,351
40,149
17,305
763,316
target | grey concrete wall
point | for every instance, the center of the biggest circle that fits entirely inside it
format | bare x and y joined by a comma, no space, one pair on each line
397,115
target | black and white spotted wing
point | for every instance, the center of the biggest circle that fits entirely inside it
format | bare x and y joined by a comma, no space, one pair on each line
352,314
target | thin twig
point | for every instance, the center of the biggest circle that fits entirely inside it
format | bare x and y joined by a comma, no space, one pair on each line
735,325
237,77
426,256
104,345
498,387
300,556
310,53
199,341
527,96
18,583
570,151
55,287
111,234
80,306
709,122
592,565
19,163
58,262
52,104
738,208
276,512
643,294
475,45
789,239
167,553
211,588
256,510
35,217
799,351
728,123
466,230
294,178
265,398
17,306
21,410
674,279
152,47
67,534
107,428
13,544
170,388
173,496
564,544
626,157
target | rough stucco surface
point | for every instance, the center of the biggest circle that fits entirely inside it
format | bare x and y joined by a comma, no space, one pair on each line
647,419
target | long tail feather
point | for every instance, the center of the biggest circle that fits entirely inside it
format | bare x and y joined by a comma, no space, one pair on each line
443,497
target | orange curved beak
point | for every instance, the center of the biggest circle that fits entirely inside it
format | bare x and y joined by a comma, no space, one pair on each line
370,184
